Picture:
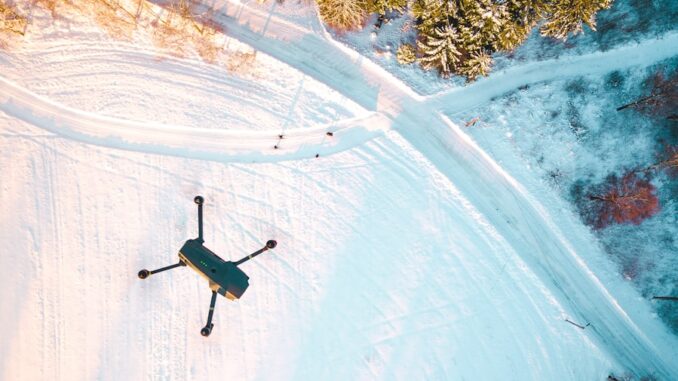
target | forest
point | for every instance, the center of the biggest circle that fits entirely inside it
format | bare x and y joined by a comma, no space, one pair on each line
460,36
454,37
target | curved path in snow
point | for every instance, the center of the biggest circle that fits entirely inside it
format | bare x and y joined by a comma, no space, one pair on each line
623,326
189,142
327,61
502,82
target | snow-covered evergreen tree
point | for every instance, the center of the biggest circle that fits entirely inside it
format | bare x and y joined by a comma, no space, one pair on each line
567,16
521,17
431,14
383,6
527,13
478,64
461,35
483,20
438,50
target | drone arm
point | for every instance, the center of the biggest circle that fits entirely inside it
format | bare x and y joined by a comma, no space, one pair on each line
199,200
247,258
143,274
269,245
200,222
208,327
170,267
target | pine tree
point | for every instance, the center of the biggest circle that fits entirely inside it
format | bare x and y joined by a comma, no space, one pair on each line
461,35
567,16
381,7
431,14
439,50
343,14
480,23
511,35
522,16
490,23
469,20
527,13
478,64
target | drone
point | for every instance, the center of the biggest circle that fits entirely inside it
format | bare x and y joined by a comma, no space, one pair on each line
224,277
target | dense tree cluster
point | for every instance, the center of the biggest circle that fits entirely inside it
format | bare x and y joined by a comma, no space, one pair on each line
477,28
459,36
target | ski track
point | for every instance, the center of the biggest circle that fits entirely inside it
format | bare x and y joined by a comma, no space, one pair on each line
209,144
525,235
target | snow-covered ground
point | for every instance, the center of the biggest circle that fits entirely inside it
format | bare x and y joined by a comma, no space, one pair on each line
405,250
568,133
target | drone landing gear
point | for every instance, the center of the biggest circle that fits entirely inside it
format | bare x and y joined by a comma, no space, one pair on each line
207,329
143,274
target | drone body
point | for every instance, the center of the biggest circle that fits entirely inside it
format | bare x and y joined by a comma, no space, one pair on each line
224,277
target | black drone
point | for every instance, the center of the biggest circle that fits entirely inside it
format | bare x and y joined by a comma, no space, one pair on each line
224,277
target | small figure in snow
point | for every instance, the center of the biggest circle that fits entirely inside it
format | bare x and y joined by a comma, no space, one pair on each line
275,146
472,122
330,133
317,155
380,22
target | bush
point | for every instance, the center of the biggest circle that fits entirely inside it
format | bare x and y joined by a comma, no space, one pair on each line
668,161
663,99
406,54
630,199
343,14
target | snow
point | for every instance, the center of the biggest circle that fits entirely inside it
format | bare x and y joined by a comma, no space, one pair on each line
569,133
401,262
406,251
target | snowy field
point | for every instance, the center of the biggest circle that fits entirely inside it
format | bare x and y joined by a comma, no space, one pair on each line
405,250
